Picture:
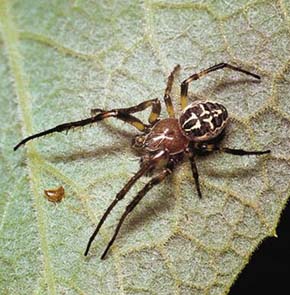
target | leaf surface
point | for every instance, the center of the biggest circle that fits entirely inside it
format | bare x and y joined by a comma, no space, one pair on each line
59,59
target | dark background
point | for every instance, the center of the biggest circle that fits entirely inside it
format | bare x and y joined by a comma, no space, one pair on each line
268,271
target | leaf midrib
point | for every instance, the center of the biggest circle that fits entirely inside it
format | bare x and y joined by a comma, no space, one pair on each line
11,40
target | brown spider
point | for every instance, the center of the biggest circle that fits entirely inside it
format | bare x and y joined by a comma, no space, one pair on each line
164,142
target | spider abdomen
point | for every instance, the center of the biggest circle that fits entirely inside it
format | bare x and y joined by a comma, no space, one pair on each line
203,121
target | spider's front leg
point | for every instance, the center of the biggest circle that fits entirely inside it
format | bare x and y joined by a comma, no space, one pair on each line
154,181
145,167
123,114
153,103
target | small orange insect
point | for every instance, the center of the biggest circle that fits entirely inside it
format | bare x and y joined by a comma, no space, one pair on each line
55,195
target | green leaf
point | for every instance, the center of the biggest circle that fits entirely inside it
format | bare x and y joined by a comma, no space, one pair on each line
59,59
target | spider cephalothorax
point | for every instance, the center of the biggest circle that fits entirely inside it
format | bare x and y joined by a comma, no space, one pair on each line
164,142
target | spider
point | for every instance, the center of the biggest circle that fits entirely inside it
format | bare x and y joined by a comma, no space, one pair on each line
164,142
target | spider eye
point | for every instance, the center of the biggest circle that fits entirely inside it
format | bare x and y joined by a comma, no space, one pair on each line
138,141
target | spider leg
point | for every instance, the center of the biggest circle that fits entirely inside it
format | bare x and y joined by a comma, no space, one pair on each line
204,147
239,152
155,112
196,76
153,117
123,114
145,167
195,174
167,98
154,181
118,198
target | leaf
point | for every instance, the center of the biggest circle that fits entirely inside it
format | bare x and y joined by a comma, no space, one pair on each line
62,58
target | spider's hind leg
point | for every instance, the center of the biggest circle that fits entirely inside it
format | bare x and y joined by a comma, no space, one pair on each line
196,76
239,152
195,174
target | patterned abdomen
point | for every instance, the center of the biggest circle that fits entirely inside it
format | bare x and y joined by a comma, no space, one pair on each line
203,121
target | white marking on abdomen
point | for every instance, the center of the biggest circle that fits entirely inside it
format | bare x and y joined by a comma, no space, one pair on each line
216,113
196,126
204,112
192,117
209,121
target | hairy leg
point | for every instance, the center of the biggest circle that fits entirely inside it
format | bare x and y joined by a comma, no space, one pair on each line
145,167
154,181
123,114
196,76
167,98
